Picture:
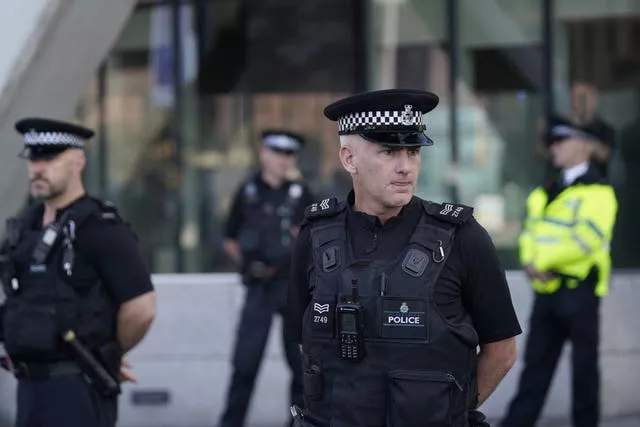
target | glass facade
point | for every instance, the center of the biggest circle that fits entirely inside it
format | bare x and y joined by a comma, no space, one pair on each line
182,96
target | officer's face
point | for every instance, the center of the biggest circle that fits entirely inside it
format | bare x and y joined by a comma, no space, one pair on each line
50,177
276,163
569,152
388,175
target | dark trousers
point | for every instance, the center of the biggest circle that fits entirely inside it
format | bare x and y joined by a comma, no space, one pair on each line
65,400
261,303
569,314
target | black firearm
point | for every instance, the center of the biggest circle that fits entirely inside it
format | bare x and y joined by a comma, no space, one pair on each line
97,374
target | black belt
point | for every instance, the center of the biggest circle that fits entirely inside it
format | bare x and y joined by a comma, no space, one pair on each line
41,371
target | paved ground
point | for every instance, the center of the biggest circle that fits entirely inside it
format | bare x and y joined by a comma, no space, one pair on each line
630,421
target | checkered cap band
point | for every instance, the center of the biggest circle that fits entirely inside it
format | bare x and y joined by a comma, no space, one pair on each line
282,142
381,120
568,131
52,138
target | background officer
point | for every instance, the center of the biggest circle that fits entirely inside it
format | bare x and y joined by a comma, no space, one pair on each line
74,281
262,225
392,294
564,249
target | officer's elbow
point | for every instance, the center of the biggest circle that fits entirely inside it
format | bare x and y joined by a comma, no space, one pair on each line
148,309
511,355
140,311
503,352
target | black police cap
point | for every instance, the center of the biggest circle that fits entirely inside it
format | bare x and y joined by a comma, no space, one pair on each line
560,128
45,138
282,141
392,117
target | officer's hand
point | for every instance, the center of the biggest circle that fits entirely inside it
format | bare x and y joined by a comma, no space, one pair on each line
532,273
294,231
260,270
125,376
545,276
477,419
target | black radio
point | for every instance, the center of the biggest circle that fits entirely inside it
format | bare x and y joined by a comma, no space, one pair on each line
350,316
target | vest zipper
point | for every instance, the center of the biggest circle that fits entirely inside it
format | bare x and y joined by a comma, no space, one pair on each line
428,375
453,379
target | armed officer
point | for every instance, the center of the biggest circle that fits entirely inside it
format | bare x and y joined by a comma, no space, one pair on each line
78,295
565,252
392,294
263,223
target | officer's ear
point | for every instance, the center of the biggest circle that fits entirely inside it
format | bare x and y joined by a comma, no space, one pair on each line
349,145
79,160
347,158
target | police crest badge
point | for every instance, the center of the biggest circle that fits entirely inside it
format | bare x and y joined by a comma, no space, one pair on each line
407,115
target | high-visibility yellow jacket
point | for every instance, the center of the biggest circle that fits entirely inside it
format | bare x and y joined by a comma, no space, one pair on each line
570,235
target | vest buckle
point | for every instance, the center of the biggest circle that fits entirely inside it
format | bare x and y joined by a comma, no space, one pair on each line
330,259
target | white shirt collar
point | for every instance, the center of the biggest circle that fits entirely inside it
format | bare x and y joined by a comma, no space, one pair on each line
571,174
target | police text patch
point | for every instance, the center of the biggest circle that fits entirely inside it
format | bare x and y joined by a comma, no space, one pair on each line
403,318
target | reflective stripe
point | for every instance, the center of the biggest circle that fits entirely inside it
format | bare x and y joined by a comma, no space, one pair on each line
595,229
559,222
583,245
547,239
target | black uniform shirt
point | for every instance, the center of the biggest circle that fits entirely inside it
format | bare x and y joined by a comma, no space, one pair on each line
472,275
266,194
108,246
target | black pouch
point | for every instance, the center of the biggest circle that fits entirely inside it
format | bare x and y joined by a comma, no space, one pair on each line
313,385
30,329
421,399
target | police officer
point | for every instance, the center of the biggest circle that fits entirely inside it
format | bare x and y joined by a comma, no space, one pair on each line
564,250
392,294
78,296
263,223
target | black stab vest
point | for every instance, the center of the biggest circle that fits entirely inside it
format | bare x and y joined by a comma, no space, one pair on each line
418,368
42,302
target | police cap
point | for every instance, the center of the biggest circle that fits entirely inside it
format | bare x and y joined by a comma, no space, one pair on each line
46,138
282,141
392,117
561,128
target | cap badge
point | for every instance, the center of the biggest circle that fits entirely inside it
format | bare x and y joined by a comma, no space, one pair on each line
407,117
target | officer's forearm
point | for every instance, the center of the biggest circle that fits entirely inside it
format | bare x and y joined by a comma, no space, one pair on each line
494,361
134,320
232,248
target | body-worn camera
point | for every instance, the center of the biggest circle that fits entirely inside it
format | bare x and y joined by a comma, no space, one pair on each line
49,238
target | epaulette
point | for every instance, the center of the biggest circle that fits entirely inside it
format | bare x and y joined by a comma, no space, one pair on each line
451,212
325,208
108,211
